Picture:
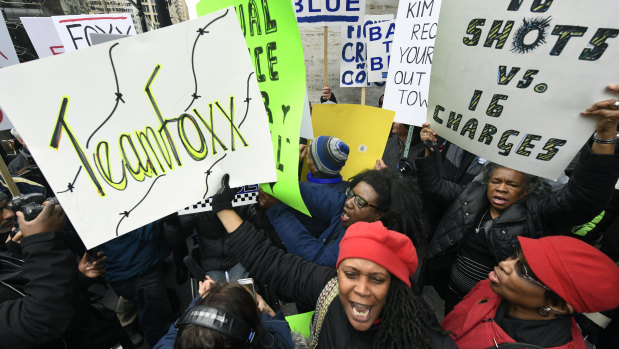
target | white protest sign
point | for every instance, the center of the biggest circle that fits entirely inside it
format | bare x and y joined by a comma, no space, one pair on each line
353,67
510,78
379,43
8,56
129,131
43,35
307,131
408,80
191,8
74,30
328,12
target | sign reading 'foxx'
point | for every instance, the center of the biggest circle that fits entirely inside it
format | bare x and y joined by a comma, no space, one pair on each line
123,144
74,31
510,78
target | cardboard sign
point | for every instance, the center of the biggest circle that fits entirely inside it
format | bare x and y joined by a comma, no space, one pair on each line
272,36
364,129
379,42
510,78
74,31
43,35
149,129
8,56
328,12
353,67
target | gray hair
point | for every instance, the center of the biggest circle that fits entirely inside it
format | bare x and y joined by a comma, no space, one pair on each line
532,182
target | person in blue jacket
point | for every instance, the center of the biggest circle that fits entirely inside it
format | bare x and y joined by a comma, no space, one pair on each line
134,271
373,195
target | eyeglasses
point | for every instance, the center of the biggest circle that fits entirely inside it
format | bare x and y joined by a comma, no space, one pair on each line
359,201
523,271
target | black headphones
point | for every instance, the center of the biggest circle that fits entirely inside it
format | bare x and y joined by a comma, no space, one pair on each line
218,320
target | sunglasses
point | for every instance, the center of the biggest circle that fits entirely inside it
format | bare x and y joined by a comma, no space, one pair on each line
359,201
523,271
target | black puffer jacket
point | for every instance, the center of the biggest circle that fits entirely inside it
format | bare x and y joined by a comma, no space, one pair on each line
37,304
536,215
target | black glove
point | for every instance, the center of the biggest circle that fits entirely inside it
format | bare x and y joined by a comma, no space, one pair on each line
223,199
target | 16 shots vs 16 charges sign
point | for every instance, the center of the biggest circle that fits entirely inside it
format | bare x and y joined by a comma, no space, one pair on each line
132,130
510,77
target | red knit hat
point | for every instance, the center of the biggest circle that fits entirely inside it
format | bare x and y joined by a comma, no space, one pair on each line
580,274
372,241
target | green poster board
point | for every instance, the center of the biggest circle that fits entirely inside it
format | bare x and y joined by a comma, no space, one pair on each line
301,323
272,37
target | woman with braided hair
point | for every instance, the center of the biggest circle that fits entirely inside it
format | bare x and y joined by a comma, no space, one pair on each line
365,302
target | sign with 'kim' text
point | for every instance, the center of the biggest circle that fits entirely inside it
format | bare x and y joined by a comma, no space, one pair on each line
408,79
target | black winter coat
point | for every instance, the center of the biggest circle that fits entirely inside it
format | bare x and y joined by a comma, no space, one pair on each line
41,311
294,278
536,215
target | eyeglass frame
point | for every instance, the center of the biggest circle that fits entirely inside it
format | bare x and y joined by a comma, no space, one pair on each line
524,273
351,194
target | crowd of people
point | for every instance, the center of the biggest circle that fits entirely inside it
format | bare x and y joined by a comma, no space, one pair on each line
516,259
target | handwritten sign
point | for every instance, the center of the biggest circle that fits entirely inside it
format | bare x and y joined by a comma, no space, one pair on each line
328,12
8,56
364,129
272,36
74,31
510,78
379,43
353,63
43,36
129,131
408,80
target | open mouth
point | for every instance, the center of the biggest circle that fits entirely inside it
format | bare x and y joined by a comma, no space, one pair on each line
499,200
360,312
493,277
345,216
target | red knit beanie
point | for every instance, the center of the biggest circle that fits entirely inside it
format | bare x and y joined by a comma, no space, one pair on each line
580,274
372,241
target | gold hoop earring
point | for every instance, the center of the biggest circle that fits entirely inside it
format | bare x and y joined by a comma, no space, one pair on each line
544,311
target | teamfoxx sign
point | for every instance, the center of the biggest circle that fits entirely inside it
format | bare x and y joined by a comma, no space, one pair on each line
127,132
510,77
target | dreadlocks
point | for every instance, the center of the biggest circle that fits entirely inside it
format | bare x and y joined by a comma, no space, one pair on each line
406,320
